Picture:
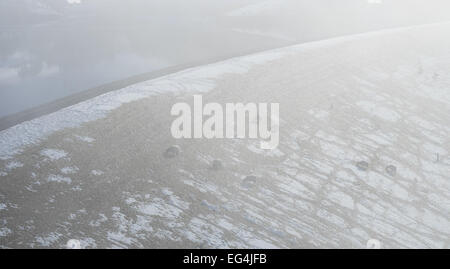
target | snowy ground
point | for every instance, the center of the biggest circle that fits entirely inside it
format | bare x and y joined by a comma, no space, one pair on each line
364,154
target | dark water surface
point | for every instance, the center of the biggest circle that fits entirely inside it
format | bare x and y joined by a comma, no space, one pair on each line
52,49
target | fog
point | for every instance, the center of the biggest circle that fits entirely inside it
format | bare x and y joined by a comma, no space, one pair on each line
50,49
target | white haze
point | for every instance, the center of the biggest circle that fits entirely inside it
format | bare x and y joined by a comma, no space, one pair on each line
50,49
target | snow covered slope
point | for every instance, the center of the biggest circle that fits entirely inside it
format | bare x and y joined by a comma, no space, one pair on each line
364,154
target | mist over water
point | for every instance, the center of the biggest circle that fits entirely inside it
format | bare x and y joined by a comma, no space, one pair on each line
50,49
340,143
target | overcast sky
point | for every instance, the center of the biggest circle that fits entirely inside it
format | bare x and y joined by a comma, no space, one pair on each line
53,48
